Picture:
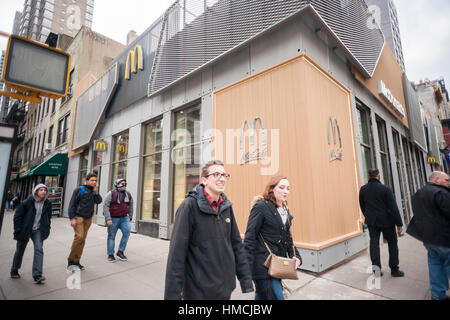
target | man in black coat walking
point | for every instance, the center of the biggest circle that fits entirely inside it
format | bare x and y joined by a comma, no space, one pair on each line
431,225
381,216
206,250
32,220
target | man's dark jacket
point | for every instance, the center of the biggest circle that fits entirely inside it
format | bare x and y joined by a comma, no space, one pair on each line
431,220
265,221
378,205
206,252
83,206
24,219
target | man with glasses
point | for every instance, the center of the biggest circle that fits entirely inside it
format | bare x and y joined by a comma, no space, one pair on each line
206,251
118,212
431,225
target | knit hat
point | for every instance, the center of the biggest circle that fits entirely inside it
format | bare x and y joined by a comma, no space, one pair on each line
119,181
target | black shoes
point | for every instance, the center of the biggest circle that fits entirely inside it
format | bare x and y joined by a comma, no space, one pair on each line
121,256
15,275
39,280
397,273
111,258
80,266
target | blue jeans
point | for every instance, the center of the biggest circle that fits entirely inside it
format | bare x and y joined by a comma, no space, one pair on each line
439,269
269,289
7,205
123,224
38,259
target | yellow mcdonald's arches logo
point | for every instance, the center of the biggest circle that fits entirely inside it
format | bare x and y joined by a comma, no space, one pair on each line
431,160
100,145
121,148
135,61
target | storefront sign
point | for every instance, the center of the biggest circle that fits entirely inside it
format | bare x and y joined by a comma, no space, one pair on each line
99,146
389,97
336,151
133,63
431,160
261,152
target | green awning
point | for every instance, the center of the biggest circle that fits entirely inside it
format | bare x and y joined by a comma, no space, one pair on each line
53,166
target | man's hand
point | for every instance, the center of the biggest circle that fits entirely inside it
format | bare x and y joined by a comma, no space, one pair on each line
399,230
109,223
73,223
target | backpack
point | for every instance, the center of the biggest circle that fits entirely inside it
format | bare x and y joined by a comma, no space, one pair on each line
82,189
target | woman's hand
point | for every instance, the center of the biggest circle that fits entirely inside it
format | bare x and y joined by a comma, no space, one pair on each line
298,262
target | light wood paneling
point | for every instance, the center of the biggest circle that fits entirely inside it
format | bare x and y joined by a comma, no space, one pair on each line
297,98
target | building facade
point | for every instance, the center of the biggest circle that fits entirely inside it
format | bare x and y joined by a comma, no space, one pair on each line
41,17
328,106
45,129
385,13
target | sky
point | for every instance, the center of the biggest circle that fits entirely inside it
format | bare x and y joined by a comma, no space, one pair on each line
424,28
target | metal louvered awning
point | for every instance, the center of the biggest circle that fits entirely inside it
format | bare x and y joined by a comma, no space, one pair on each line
195,33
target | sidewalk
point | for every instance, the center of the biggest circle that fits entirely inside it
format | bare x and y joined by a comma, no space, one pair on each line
142,277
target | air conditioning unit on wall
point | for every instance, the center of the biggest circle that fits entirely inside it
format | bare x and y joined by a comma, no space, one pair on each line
47,146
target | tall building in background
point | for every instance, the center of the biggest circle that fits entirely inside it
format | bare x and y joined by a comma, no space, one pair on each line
16,25
40,17
386,11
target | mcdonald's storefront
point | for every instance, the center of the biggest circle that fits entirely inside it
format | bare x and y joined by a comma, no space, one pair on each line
300,113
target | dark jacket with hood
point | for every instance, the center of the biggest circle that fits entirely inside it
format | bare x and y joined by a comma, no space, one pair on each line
265,221
378,205
83,206
431,220
206,252
25,215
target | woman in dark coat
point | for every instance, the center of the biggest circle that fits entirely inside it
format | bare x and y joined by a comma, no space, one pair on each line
269,222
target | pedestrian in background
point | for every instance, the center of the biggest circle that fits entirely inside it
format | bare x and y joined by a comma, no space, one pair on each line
381,216
431,225
81,209
118,212
16,200
270,224
32,219
206,251
9,198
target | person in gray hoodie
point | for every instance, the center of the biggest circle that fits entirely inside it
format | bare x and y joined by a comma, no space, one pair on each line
32,219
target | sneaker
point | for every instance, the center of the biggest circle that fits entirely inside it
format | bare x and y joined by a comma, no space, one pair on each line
15,275
39,280
111,258
72,266
80,266
397,273
121,256
381,273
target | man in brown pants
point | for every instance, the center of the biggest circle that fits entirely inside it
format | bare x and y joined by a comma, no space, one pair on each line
81,210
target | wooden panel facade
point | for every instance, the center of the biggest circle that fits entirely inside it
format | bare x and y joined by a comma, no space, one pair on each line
296,101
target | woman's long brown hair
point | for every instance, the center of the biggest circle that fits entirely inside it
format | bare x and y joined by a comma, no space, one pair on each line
268,191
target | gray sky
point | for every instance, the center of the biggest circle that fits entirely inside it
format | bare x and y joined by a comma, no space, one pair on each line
424,27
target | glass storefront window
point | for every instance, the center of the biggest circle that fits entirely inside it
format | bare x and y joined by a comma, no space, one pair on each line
152,171
365,141
186,153
384,154
84,160
120,156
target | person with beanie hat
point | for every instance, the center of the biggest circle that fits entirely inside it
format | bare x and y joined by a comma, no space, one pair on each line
118,212
32,219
